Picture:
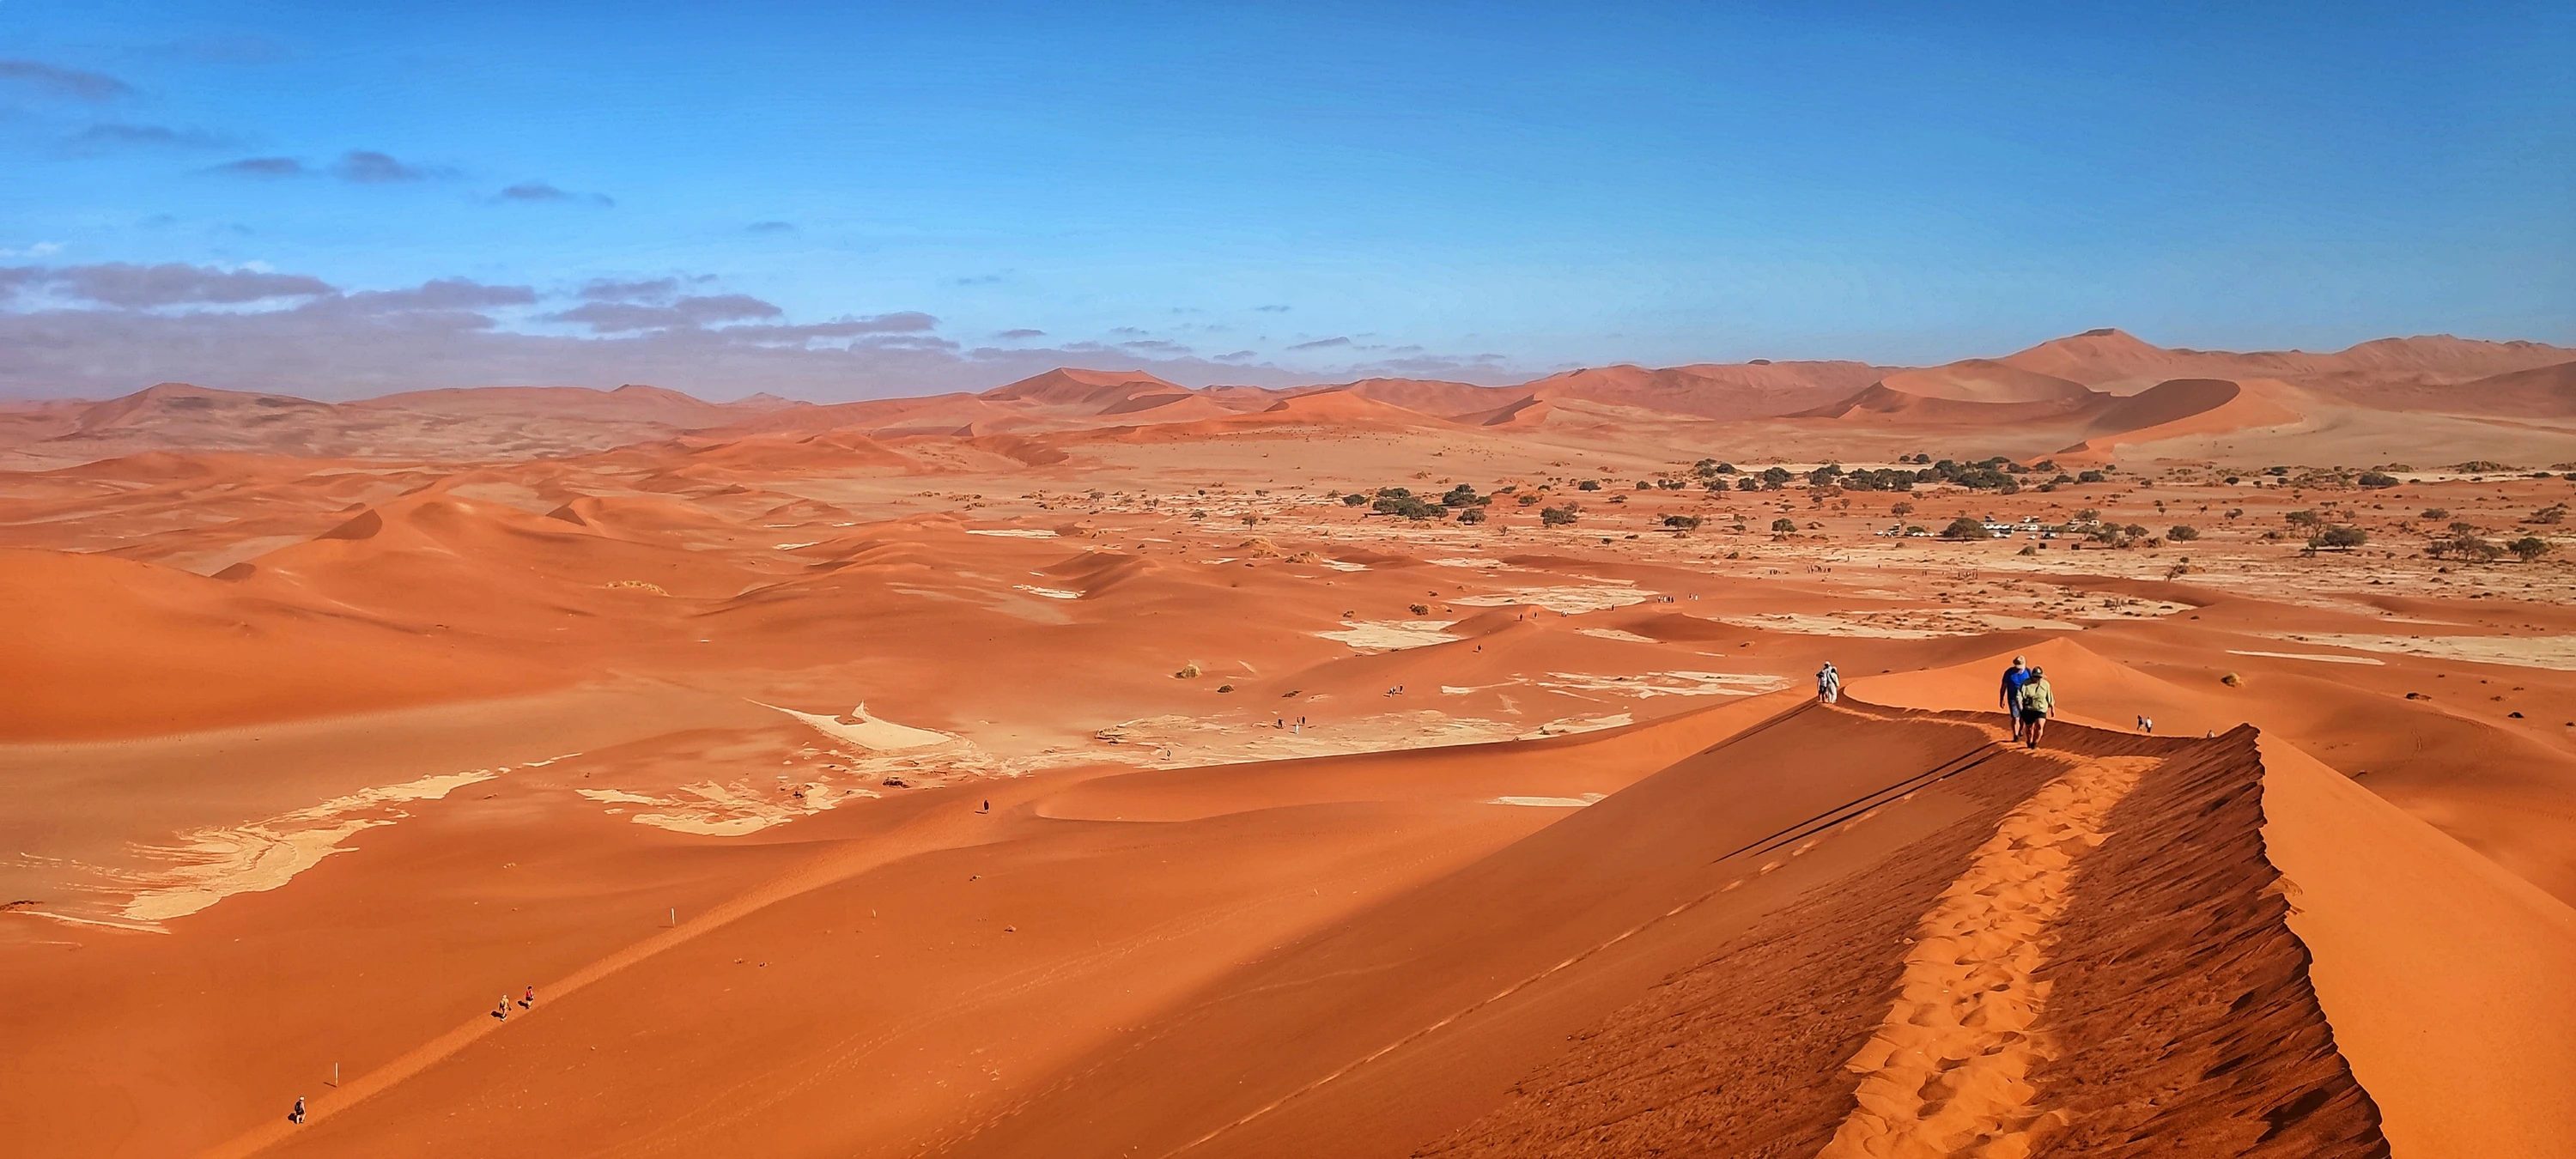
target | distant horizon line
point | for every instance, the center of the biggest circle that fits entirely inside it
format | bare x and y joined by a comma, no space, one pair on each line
1141,372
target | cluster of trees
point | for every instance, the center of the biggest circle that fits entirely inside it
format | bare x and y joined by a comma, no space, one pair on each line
1865,479
2469,545
1402,501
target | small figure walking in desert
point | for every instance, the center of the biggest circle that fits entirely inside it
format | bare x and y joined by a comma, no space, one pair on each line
1829,683
297,1115
2038,703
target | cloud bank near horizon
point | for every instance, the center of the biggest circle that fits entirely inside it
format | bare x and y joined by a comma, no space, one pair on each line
106,329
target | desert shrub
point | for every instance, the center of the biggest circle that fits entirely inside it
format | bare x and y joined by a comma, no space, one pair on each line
2375,479
2482,467
2437,513
1643,485
2341,537
1558,516
1527,500
1965,527
1748,483
1471,516
2092,477
1187,672
2528,548
1355,499
1419,609
1900,509
1784,526
2554,513
2182,533
1588,485
1682,522
1463,495
2302,519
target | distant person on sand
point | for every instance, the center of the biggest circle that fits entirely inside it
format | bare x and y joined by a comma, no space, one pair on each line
2038,703
2146,724
1829,683
2014,677
296,1115
529,1000
501,1009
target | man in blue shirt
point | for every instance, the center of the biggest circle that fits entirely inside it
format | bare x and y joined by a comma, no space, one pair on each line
2014,678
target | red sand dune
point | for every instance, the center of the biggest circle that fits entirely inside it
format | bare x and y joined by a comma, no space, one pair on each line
1429,396
1090,390
183,651
2189,406
2541,392
629,403
1068,770
2120,362
1965,393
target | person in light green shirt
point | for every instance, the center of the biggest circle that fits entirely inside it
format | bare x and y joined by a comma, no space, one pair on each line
2038,703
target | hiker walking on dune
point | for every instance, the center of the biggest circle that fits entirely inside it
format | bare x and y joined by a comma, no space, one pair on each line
2014,677
297,1115
2038,703
1829,683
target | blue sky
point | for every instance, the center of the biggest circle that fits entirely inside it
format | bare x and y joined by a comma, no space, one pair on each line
929,197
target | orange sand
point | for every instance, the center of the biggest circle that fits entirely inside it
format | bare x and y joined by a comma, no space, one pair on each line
1066,769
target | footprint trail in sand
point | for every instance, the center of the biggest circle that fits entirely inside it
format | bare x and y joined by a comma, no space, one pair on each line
1946,1072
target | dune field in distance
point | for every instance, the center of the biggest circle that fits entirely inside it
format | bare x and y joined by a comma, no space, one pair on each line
1095,766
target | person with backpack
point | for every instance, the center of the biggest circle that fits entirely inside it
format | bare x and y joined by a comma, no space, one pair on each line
2014,677
1829,683
2038,703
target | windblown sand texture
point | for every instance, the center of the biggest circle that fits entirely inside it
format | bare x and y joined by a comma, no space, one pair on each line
1067,769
